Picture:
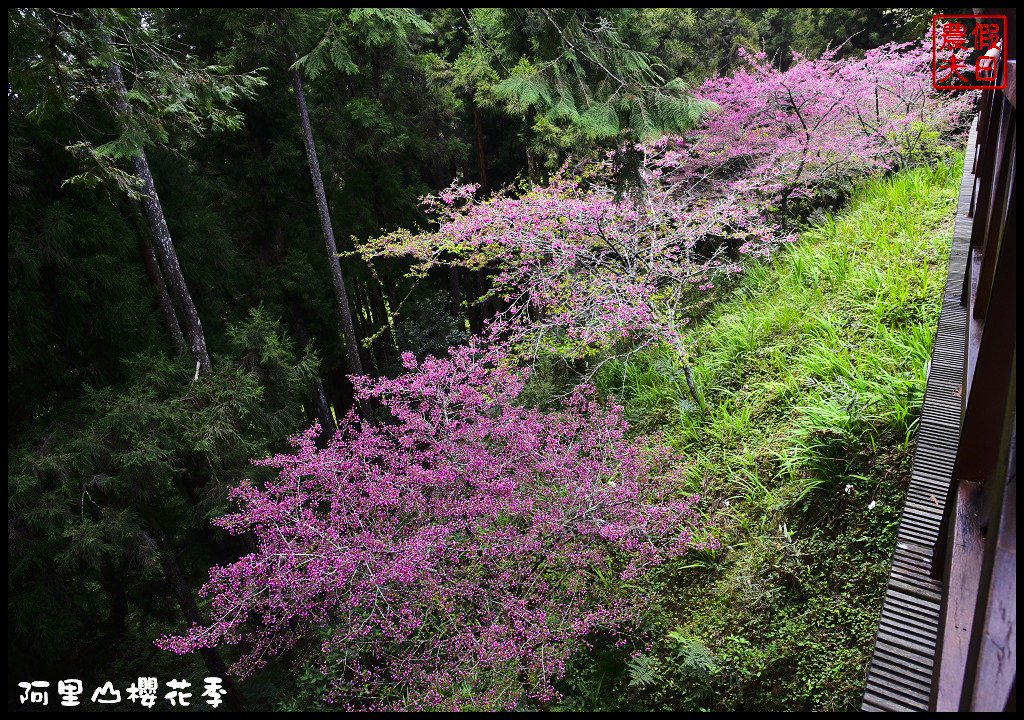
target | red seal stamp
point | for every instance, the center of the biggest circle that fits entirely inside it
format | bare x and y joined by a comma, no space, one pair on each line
967,52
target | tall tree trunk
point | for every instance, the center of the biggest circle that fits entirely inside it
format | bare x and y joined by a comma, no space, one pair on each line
172,572
321,408
340,293
480,157
532,167
455,293
163,299
163,246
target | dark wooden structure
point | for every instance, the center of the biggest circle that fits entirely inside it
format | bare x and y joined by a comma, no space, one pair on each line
947,634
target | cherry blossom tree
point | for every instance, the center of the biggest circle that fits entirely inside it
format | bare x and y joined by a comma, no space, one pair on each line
894,101
782,134
580,270
455,556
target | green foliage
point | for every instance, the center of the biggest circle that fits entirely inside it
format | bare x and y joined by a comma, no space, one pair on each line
76,288
574,77
85,489
61,66
697,43
369,27
425,327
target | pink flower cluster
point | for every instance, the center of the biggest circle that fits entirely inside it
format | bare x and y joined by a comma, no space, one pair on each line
578,269
780,134
455,556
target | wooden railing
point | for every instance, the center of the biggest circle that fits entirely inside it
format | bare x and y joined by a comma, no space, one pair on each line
975,557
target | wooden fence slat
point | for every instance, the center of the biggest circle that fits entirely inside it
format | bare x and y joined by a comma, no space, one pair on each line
900,672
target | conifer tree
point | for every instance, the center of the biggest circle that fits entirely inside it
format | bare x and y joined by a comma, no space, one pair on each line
386,27
576,80
80,53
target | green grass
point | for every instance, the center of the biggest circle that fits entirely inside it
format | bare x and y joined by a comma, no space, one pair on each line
812,372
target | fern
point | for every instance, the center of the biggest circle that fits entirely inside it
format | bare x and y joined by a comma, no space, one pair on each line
693,657
643,671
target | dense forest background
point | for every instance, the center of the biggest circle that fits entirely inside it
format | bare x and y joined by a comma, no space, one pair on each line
123,433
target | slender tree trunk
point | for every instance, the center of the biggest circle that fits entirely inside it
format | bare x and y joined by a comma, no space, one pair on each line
380,328
361,323
455,293
390,304
688,374
392,290
371,327
532,166
163,245
163,298
480,157
473,310
172,572
321,408
340,293
486,305
387,345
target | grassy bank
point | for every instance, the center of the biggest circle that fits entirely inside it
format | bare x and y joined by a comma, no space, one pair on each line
813,370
